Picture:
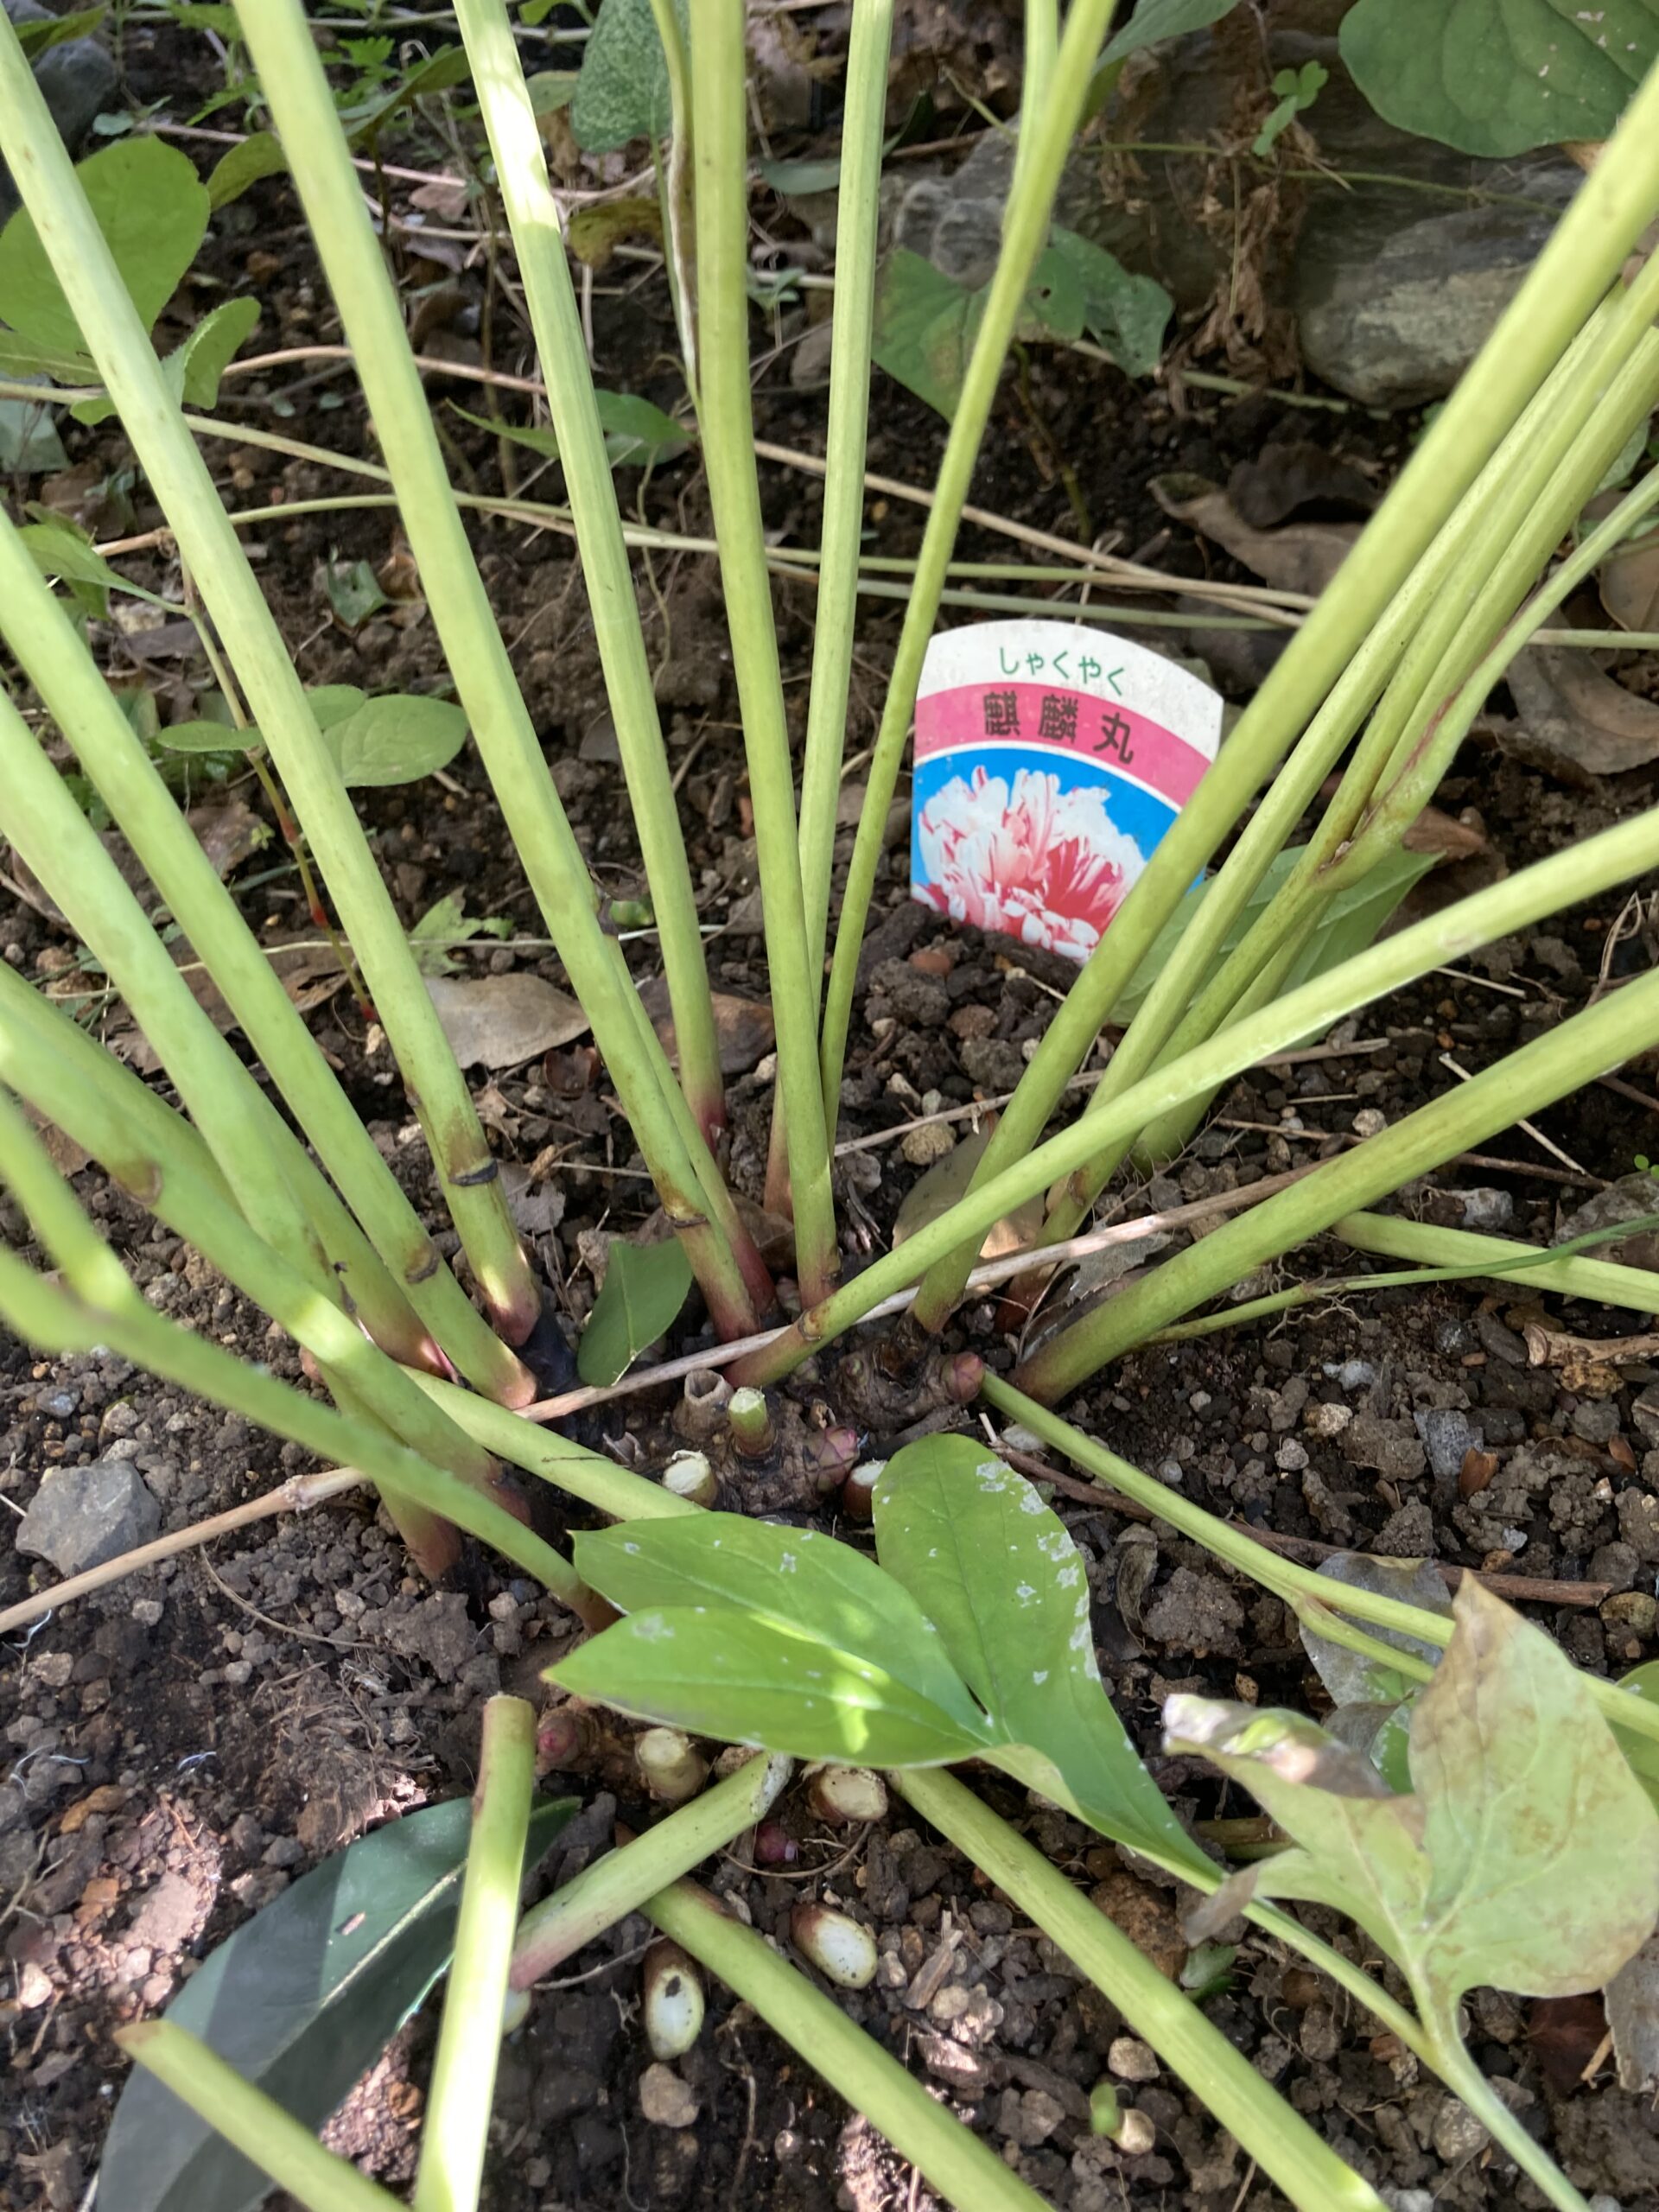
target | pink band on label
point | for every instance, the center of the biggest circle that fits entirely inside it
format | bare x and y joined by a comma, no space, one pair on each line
1054,719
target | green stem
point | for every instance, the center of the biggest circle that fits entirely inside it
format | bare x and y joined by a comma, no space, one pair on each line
1536,1075
1332,648
1544,888
610,1888
275,1183
720,129
251,2122
1025,230
1042,52
291,72
599,1482
590,487
1607,1281
1282,1577
677,189
96,1303
857,212
456,2133
964,2169
61,670
151,415
1279,2141
1451,2061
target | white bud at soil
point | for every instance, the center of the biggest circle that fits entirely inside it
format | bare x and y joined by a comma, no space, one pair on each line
858,1492
673,2001
515,2011
688,1474
842,1951
845,1795
672,1768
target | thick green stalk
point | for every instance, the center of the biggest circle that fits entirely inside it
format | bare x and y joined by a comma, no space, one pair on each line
676,188
279,39
1582,258
1279,2141
253,2123
1025,231
1295,1585
964,2169
720,131
456,2133
590,489
610,1888
1042,50
151,415
1427,710
1544,888
599,1482
1608,1282
841,532
96,1303
1536,1075
61,670
275,1181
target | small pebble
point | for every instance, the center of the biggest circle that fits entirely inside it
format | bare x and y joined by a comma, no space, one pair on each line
1133,2061
1135,2133
148,1611
1458,2135
1369,1122
664,2099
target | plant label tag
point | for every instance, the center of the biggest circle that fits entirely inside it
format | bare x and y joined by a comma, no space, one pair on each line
1050,759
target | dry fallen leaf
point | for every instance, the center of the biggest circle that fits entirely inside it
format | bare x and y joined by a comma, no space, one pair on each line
1629,582
940,1187
744,1028
1572,720
1303,556
502,1020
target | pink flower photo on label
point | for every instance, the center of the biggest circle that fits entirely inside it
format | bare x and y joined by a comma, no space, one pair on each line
1046,865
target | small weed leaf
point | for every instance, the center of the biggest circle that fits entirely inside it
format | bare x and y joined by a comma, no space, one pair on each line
1161,19
37,38
1528,1857
352,590
1126,315
995,1571
302,2000
644,1289
1496,77
396,739
59,549
749,1681
192,370
622,88
795,1579
153,209
923,329
1641,1751
258,157
447,922
636,431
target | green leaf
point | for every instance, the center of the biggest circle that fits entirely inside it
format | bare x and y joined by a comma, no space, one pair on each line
1159,19
394,739
59,549
923,328
353,591
1126,315
207,737
151,207
796,1579
645,1288
192,370
550,90
38,38
636,431
1006,1588
1495,77
760,1681
1351,921
622,87
30,443
260,155
440,73
800,178
1298,89
446,923
334,702
1527,1858
22,357
302,2000
1641,1752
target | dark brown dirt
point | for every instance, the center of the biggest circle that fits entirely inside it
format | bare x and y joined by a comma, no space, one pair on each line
183,1745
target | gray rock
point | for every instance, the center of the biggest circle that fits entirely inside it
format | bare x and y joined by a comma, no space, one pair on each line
1446,1434
1632,1197
83,1515
1596,1419
79,79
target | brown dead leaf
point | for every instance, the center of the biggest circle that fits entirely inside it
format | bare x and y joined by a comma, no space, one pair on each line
1564,2034
1302,556
1628,581
744,1029
502,1020
1453,838
932,1194
228,831
445,197
1573,720
1290,475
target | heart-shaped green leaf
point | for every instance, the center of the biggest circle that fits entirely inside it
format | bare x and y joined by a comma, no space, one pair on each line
622,89
396,739
151,207
999,1575
302,2000
755,1681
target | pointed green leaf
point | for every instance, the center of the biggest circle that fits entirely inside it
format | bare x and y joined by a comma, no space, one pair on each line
797,1578
1496,77
260,155
192,370
923,328
397,738
152,208
59,549
622,88
24,357
1159,19
1001,1578
39,37
637,432
1125,314
302,2000
751,1680
644,1289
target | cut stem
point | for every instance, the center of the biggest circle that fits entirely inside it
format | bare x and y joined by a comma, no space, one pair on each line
456,2133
